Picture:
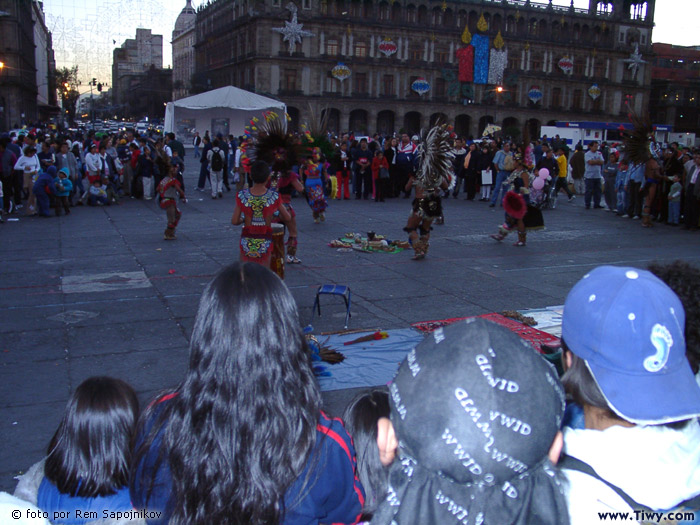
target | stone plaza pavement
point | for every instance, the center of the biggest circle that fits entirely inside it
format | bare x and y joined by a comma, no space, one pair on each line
100,291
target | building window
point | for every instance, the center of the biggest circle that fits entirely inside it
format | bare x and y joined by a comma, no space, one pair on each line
416,53
290,79
411,14
275,3
536,62
324,7
411,93
598,68
513,62
556,97
332,47
384,11
440,87
355,8
306,4
360,50
577,103
360,83
579,67
388,85
331,84
441,56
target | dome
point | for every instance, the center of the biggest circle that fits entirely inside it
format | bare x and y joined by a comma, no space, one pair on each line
185,20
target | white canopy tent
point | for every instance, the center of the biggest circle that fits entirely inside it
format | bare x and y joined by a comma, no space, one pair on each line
226,110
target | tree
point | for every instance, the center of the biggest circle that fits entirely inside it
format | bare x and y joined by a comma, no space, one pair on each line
67,84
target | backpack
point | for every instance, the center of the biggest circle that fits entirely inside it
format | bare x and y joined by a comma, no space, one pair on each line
217,162
509,163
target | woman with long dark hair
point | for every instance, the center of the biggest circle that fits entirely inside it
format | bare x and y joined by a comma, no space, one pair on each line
86,470
242,440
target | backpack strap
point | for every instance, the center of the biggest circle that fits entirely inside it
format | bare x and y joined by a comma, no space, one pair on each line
572,463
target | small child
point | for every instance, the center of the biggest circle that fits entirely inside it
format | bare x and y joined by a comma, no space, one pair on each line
89,456
622,172
674,202
64,187
110,188
168,189
97,194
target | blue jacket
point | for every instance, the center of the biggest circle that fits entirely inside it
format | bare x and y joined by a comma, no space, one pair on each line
334,495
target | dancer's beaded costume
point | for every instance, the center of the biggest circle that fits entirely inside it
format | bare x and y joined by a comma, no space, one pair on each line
258,212
313,183
433,175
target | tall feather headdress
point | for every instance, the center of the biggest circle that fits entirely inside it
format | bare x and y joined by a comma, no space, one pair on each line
273,137
639,142
435,156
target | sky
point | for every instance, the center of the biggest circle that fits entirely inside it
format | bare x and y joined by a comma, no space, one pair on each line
86,31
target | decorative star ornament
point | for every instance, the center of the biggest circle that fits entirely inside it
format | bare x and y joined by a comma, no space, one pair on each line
293,31
635,61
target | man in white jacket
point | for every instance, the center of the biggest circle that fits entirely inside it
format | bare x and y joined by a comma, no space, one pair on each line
639,452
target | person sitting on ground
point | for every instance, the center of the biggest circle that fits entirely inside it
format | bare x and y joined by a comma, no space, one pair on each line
475,415
622,332
44,190
242,439
87,465
97,194
361,417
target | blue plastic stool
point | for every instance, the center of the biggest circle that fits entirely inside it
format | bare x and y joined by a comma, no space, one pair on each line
332,289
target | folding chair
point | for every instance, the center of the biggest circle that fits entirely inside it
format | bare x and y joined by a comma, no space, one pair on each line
332,289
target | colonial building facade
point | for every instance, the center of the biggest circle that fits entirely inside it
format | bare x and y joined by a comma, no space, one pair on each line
675,87
389,66
27,78
183,51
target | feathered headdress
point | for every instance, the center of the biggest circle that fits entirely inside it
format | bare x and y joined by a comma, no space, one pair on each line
434,157
640,145
273,143
316,132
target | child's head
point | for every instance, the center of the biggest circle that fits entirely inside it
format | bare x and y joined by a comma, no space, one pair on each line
97,183
260,172
90,454
361,417
676,178
379,154
63,173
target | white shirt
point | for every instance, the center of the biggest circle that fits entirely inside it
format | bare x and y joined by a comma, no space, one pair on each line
28,164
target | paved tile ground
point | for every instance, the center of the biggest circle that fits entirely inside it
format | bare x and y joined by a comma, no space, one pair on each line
100,292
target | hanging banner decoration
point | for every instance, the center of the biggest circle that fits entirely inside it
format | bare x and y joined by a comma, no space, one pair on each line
497,65
566,64
594,91
466,35
420,86
481,59
535,94
341,71
293,31
387,47
465,59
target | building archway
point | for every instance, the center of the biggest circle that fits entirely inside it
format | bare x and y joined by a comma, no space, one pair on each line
437,117
358,121
463,125
385,122
412,122
333,121
534,126
511,127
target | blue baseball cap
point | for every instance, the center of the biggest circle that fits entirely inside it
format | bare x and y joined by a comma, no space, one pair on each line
628,327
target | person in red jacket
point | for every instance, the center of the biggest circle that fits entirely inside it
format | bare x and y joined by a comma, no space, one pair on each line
380,167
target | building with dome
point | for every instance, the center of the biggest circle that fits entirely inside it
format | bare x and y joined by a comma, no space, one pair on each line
183,51
399,65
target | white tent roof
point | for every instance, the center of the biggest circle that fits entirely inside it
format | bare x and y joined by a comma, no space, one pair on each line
229,97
